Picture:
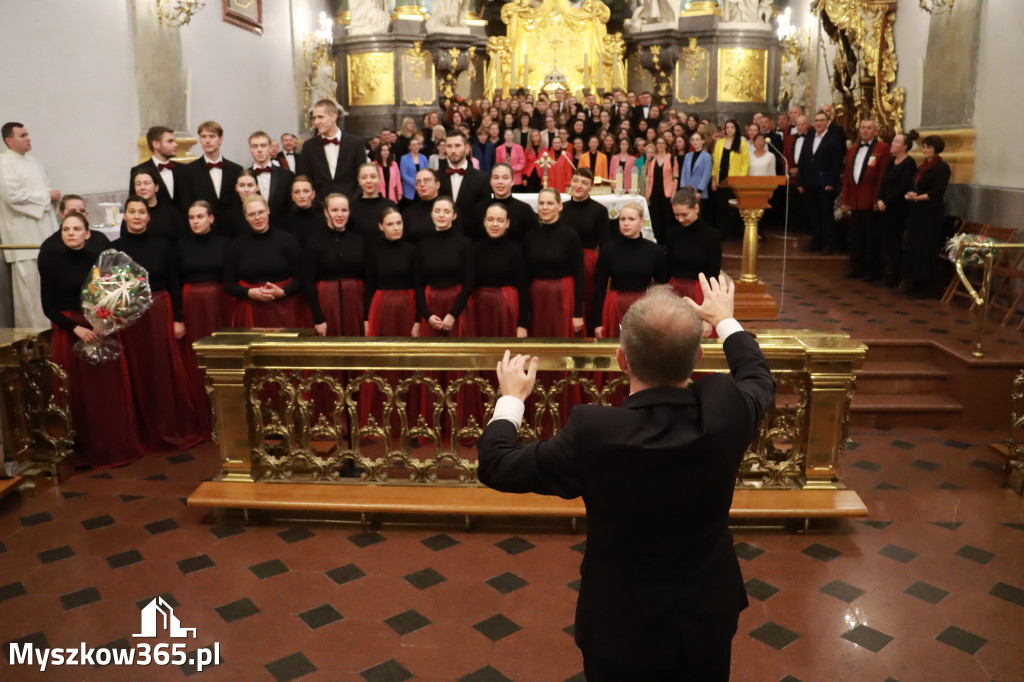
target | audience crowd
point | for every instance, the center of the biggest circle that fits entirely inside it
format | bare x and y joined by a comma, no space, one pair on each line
418,232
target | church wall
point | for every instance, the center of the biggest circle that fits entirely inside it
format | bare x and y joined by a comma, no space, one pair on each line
911,37
244,81
69,77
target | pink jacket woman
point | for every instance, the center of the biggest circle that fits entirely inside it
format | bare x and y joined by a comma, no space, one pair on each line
393,190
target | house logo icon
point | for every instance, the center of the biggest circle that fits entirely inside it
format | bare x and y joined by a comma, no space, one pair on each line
151,614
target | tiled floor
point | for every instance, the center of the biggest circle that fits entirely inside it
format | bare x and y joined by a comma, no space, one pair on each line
930,587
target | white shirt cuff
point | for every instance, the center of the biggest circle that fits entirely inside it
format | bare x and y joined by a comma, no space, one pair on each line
725,328
509,407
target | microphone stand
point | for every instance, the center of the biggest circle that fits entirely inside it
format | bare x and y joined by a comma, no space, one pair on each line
785,224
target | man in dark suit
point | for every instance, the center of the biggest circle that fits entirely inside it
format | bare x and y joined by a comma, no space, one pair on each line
661,588
275,183
645,110
331,160
865,168
460,181
792,148
289,155
818,169
212,178
171,188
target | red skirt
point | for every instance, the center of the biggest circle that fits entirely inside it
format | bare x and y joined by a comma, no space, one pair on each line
589,265
553,303
159,379
439,302
287,312
341,301
100,397
497,310
206,308
616,303
392,312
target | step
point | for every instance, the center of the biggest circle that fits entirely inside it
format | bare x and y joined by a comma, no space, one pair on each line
481,501
886,410
901,377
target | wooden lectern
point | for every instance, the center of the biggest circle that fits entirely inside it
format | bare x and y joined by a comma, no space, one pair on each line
753,302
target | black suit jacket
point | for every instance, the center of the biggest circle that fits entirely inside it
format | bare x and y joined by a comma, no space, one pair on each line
181,190
822,168
200,187
660,573
351,155
476,186
282,160
280,199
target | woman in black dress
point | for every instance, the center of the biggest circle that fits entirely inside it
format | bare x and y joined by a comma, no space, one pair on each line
693,248
205,307
159,379
554,256
923,239
892,204
626,266
446,276
99,394
333,266
390,293
165,220
305,217
262,270
501,298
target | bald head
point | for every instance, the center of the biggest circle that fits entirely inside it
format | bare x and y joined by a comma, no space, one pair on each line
801,124
660,338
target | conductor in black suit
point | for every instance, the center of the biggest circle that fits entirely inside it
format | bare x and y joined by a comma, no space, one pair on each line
212,178
275,182
661,589
171,187
331,159
467,185
818,180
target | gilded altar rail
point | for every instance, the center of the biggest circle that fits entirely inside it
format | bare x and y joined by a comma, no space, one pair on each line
287,404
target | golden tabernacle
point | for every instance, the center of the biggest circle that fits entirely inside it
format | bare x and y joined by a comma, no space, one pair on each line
555,45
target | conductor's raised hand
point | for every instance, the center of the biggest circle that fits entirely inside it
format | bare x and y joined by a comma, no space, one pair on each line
517,375
719,297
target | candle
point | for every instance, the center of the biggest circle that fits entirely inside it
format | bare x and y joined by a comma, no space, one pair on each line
634,180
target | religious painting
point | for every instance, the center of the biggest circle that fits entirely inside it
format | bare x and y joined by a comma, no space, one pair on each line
742,75
371,79
418,86
247,14
693,73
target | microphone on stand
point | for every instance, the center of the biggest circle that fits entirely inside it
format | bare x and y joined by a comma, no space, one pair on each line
785,224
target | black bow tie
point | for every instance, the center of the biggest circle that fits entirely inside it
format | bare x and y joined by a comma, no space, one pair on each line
865,144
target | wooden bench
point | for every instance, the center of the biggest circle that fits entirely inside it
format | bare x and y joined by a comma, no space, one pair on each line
477,501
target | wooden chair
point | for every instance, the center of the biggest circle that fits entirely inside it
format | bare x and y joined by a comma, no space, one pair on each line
1011,270
953,290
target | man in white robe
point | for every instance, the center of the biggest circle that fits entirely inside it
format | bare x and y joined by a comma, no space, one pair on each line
26,217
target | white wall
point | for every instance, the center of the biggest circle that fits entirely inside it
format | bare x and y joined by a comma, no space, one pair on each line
911,37
242,80
69,76
1000,92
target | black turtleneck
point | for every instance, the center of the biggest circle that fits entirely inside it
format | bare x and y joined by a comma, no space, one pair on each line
445,260
553,251
157,256
417,221
693,249
521,219
389,265
589,219
627,265
62,272
330,254
500,263
364,216
164,221
302,223
201,257
260,257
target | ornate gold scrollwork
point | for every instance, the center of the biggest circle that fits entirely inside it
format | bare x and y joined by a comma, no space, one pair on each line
776,457
695,61
371,79
417,62
1015,449
742,75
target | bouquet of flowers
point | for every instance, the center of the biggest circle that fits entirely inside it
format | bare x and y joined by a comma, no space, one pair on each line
974,247
114,296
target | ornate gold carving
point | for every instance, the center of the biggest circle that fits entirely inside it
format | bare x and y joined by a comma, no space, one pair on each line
696,61
294,404
863,71
742,75
371,79
554,42
1014,448
417,61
